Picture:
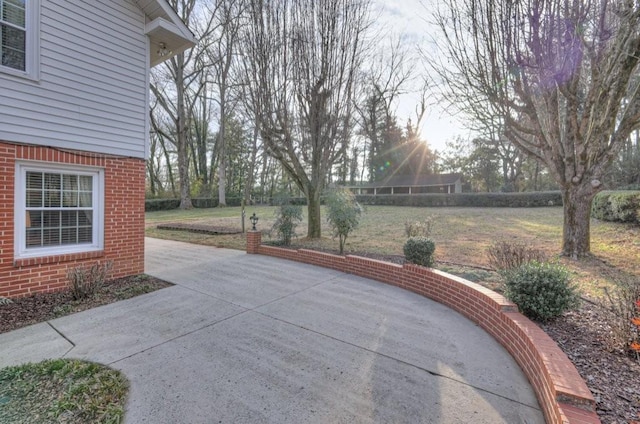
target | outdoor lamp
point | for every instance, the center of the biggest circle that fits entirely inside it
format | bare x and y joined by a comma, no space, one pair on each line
254,220
163,51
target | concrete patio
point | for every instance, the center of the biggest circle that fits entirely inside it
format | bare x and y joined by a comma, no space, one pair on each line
253,339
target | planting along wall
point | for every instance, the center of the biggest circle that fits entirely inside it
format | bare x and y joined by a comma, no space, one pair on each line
123,221
562,394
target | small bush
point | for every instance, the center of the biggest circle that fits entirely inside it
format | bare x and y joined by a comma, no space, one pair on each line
542,291
504,255
617,206
419,228
419,251
84,282
620,304
288,217
343,214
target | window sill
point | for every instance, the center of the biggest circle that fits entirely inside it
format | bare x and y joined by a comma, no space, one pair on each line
54,259
23,75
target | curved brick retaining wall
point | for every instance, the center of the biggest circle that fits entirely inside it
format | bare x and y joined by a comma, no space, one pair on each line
562,394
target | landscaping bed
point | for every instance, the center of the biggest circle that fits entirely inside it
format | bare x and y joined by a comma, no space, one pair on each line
612,375
46,306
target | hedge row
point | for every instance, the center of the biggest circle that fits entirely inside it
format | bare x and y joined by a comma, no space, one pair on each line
497,200
617,206
507,200
199,202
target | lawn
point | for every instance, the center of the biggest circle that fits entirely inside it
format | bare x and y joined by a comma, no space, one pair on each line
63,391
462,236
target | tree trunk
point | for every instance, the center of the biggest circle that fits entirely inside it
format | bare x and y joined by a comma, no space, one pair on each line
313,212
248,186
577,201
222,181
222,149
183,148
183,172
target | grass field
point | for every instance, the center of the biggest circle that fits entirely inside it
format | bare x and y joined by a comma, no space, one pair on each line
462,236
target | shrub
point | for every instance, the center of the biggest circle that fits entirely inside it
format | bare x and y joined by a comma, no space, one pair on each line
84,282
504,255
617,206
287,218
620,304
419,251
343,214
419,228
541,290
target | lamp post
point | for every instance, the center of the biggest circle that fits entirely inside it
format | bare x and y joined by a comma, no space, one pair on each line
254,220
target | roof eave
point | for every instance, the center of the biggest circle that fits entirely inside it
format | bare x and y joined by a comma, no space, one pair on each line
168,35
167,40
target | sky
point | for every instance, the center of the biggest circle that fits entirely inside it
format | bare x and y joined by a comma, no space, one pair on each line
409,18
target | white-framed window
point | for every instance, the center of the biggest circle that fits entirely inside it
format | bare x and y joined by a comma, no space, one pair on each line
59,209
19,37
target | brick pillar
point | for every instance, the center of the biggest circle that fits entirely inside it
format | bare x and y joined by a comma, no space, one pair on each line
254,239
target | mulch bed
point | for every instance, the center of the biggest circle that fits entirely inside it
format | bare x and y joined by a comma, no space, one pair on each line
612,375
46,306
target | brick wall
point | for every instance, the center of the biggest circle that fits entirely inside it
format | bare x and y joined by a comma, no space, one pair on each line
562,394
123,221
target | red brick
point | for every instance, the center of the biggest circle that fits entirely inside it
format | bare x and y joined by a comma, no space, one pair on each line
124,221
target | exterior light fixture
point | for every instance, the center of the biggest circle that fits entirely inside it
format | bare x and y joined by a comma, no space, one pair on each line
163,51
254,220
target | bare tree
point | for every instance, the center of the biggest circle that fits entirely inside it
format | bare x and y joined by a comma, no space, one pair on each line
221,52
176,86
302,59
561,73
385,80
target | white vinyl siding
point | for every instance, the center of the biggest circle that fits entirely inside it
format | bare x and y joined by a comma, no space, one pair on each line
58,209
93,86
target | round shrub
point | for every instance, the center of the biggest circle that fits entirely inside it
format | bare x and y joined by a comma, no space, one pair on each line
541,290
419,251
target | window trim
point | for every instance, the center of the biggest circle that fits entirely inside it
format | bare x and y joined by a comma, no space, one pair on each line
20,249
32,54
